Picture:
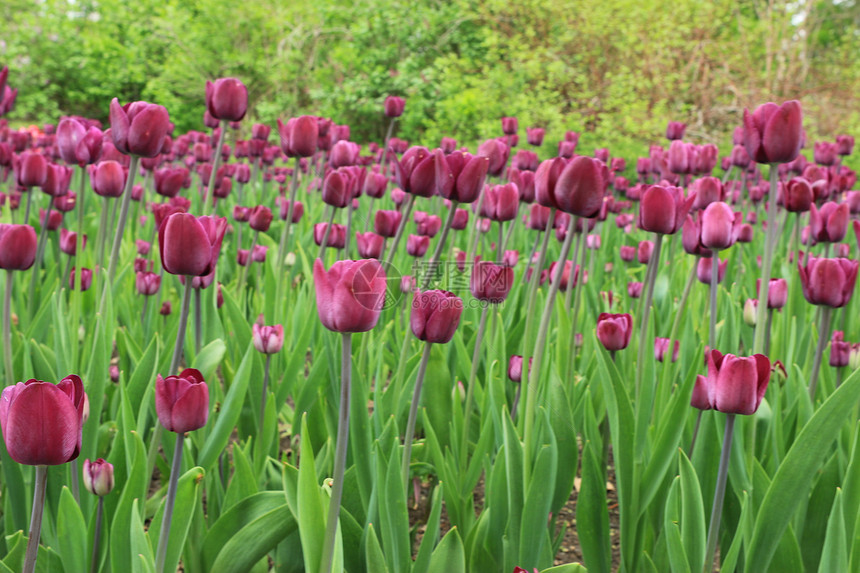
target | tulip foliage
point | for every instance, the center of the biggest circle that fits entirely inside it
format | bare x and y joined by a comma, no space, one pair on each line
480,396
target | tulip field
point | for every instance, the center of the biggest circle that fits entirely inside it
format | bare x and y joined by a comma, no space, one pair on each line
259,348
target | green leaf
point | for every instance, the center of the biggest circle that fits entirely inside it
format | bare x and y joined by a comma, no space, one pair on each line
250,518
141,550
228,417
187,498
431,533
311,513
567,568
791,483
834,555
375,558
449,555
142,377
209,358
393,514
693,533
533,533
135,488
71,533
672,530
243,482
592,515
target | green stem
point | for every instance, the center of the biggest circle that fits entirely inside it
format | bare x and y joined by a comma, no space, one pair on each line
410,201
413,413
474,232
174,366
36,519
123,215
78,287
540,345
198,321
470,389
265,391
440,245
715,279
284,242
348,230
339,455
210,192
823,336
94,562
577,287
164,536
243,273
767,261
650,277
511,228
37,266
719,494
324,242
7,329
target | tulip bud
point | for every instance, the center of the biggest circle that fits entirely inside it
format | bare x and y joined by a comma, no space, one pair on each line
828,282
664,209
86,279
107,178
42,422
644,251
182,402
166,308
675,130
854,357
661,347
773,133
17,247
490,282
190,245
227,99
267,339
750,311
394,106
461,219
734,385
98,477
435,315
138,128
614,330
634,289
350,295
147,283
69,242
417,245
260,218
719,226
839,350
628,253
386,223
704,270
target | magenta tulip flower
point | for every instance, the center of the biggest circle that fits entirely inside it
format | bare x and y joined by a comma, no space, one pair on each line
435,315
719,226
98,477
350,295
774,133
182,402
614,330
734,385
42,422
190,245
227,99
490,282
369,245
139,128
663,209
828,282
17,247
267,339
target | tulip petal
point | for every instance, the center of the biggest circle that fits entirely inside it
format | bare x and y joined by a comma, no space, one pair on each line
43,426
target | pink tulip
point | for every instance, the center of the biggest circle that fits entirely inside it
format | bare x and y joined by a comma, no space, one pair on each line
773,133
828,282
350,295
734,385
267,339
435,315
614,330
182,402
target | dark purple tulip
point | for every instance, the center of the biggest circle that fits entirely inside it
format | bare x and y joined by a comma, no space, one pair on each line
41,422
501,202
675,130
535,135
261,131
416,245
138,128
704,270
840,351
707,190
107,178
57,181
17,247
825,153
797,195
497,153
774,133
679,157
614,330
260,218
510,125
227,99
829,224
169,180
461,219
661,348
580,187
182,402
394,106
386,222
77,144
435,315
428,225
336,237
299,136
491,282
734,385
298,210
844,144
375,185
147,283
190,245
719,226
740,157
415,172
350,294
828,282
31,169
663,209
86,278
369,245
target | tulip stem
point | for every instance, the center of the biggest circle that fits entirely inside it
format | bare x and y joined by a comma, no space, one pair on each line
532,297
265,391
719,494
123,215
7,330
40,253
576,283
29,203
715,279
410,201
198,321
540,345
650,277
413,412
682,305
475,232
695,433
36,519
324,242
823,336
285,232
470,389
767,332
210,192
174,366
94,563
440,246
516,402
767,262
339,455
511,228
348,230
100,241
500,245
77,287
568,294
243,273
164,536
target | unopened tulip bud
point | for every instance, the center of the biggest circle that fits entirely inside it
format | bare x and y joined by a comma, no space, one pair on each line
98,477
750,311
614,330
227,99
773,133
394,106
839,350
166,308
435,315
86,278
661,348
182,402
267,339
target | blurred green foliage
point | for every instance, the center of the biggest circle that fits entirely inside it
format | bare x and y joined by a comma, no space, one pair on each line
615,70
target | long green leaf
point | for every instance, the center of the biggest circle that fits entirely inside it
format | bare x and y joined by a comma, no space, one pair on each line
71,533
791,483
449,555
187,490
834,556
